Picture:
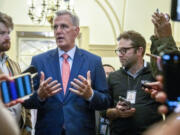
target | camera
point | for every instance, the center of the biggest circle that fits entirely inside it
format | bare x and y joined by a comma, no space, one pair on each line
171,74
175,10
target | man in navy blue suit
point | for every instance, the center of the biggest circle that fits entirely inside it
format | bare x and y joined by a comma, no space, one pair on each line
69,112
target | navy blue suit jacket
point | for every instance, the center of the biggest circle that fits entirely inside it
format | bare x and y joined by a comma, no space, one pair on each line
69,110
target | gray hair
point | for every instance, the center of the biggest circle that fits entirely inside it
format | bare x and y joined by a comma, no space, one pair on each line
74,18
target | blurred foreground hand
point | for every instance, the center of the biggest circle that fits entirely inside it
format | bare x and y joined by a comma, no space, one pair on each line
169,127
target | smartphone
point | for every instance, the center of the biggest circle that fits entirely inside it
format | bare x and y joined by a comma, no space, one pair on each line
157,11
144,85
125,102
171,75
165,15
19,87
31,69
175,10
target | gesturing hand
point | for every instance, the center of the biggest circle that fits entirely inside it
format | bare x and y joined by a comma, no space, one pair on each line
48,87
82,86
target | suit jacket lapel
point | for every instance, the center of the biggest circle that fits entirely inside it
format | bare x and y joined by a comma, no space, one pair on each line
77,62
53,62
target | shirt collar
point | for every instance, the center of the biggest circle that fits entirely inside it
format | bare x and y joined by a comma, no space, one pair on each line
144,65
70,52
138,72
3,58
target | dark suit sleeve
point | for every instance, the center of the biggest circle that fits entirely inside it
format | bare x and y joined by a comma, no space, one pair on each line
101,99
103,113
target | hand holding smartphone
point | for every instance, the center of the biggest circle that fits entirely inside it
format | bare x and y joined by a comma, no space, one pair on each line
19,87
123,102
145,85
165,15
170,64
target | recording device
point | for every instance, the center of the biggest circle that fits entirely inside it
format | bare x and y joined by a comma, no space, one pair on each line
171,75
175,10
157,11
169,63
124,102
165,15
19,87
144,84
31,69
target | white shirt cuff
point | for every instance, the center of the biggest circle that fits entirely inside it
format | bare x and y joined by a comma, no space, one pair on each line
91,96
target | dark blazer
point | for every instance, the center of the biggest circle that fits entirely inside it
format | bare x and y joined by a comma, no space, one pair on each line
69,110
146,114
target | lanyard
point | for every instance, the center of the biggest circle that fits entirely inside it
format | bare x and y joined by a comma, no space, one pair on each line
9,68
135,87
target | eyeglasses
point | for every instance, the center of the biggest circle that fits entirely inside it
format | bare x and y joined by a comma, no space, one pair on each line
123,50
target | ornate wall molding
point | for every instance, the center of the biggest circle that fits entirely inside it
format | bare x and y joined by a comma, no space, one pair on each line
114,21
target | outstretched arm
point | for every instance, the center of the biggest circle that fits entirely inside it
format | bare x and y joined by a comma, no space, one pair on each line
162,41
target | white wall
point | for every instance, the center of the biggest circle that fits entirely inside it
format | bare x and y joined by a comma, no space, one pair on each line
137,16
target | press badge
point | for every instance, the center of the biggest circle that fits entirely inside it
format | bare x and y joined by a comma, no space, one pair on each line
131,96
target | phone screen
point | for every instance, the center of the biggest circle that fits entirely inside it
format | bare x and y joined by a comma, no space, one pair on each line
18,88
171,75
175,10
125,102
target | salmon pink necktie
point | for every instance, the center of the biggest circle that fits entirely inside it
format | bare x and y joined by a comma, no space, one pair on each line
65,72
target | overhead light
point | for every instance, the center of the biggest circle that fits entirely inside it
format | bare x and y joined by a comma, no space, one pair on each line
41,11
